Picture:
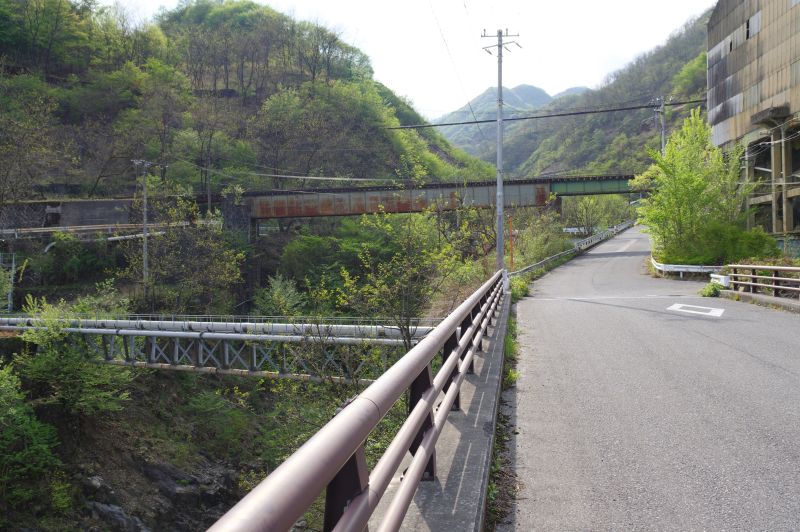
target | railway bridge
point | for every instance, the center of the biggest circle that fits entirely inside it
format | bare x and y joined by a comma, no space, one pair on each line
34,218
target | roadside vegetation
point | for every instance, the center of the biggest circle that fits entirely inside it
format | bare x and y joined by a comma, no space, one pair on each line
696,213
503,482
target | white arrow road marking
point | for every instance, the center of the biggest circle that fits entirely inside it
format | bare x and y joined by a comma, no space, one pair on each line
702,311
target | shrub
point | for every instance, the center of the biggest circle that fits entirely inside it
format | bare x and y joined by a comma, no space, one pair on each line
26,446
225,427
61,374
719,243
710,290
279,298
519,288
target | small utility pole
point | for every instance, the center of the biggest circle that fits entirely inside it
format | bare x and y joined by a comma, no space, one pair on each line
501,45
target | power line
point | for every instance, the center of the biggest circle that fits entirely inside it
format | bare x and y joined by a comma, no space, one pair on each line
284,176
550,115
455,69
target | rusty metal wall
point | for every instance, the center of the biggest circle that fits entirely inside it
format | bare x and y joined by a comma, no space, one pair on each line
753,64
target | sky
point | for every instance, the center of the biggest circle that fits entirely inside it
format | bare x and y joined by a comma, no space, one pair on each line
431,51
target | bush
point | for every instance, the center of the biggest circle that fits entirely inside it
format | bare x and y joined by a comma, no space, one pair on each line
721,244
710,290
225,426
72,261
279,298
519,288
62,375
26,446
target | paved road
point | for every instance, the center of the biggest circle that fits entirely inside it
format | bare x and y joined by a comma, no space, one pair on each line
634,416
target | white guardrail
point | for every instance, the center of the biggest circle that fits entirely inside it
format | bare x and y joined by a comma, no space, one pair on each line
683,268
579,246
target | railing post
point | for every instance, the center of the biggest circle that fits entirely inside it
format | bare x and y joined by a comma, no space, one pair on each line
107,353
449,345
476,310
349,482
421,384
150,341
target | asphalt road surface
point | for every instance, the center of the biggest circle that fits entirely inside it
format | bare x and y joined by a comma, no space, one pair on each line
636,414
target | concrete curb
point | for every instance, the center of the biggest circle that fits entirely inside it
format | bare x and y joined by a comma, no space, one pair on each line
763,300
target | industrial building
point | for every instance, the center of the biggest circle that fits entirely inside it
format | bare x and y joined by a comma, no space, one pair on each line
754,99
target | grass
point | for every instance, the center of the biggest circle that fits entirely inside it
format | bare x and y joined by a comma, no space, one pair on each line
502,488
520,284
519,288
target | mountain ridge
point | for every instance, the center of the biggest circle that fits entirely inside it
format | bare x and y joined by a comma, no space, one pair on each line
601,143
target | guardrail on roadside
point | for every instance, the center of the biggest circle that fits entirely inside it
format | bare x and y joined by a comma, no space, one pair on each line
583,245
334,459
756,282
308,330
683,268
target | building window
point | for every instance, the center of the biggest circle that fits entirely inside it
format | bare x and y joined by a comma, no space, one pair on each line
747,30
730,46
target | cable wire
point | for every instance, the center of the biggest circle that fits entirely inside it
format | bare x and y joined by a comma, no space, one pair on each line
549,115
455,70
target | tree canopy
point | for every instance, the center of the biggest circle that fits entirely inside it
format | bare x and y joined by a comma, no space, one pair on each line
696,211
217,92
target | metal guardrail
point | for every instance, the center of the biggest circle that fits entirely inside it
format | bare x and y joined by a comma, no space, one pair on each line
248,318
757,282
577,248
683,268
297,351
334,459
331,331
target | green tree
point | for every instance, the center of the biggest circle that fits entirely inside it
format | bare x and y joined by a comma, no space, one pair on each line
691,80
402,285
27,446
5,283
193,264
62,378
279,298
696,191
28,150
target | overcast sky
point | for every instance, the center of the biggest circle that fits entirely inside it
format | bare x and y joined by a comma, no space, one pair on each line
431,50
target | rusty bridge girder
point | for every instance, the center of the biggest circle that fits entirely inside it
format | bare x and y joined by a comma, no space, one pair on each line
38,218
444,196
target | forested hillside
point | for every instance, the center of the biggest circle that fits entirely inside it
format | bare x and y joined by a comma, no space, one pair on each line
214,92
606,143
522,99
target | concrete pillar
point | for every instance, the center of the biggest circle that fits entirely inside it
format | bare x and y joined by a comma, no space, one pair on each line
777,175
786,165
749,177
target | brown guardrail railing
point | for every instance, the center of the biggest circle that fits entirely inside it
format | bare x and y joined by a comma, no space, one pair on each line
777,280
333,459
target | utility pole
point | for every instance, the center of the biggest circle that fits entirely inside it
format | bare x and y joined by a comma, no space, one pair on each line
144,165
501,45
